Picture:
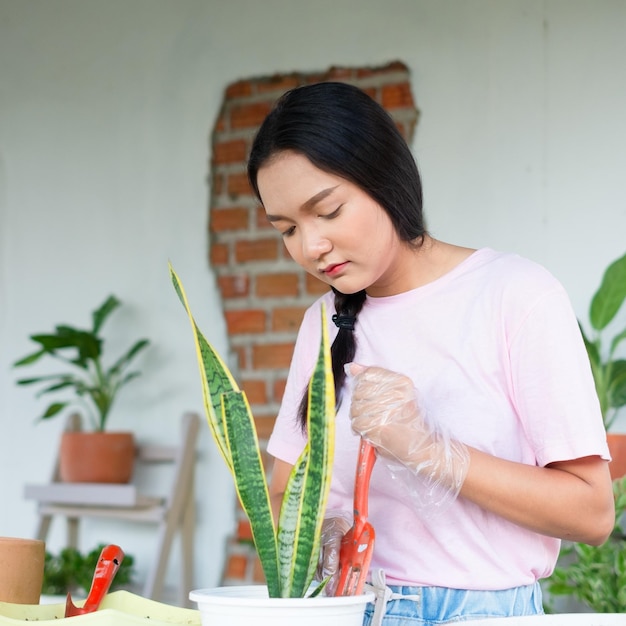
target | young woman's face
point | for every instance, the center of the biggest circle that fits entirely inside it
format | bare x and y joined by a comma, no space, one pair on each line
332,228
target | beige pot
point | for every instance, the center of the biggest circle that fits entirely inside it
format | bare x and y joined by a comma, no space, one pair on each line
21,570
119,608
96,457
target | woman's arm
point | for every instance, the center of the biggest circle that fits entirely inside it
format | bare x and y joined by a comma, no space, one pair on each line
570,500
278,484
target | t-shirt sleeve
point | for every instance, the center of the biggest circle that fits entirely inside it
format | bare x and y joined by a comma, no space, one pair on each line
553,384
288,439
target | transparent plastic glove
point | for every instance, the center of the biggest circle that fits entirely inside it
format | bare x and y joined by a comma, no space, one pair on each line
386,411
334,527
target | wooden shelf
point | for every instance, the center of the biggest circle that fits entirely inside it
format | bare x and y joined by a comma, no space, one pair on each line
88,494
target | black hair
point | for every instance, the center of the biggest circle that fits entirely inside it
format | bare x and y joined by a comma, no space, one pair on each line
343,131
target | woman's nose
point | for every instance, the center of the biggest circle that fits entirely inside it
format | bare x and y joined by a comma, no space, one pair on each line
314,245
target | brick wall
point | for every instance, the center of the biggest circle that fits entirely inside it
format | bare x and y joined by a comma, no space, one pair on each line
264,293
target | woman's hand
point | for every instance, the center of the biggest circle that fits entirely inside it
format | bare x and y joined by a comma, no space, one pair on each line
385,410
335,526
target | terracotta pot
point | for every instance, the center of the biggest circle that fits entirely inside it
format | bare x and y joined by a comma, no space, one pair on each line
21,570
617,448
96,457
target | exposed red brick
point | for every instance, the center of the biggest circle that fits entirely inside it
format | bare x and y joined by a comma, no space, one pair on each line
261,368
278,389
315,286
261,218
256,391
246,321
280,284
219,254
278,83
372,92
249,115
234,286
235,218
264,425
256,250
315,78
397,96
217,183
220,125
287,318
394,66
340,73
272,355
240,89
238,185
242,357
229,151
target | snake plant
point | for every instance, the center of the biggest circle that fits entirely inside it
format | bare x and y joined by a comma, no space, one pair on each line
288,551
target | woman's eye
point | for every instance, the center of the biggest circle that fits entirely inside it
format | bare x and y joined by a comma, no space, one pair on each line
288,232
333,214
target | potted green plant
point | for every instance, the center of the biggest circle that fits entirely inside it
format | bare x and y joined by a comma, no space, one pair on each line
288,550
596,575
94,387
609,370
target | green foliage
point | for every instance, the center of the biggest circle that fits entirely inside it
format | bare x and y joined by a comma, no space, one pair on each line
609,372
93,385
288,551
72,572
596,575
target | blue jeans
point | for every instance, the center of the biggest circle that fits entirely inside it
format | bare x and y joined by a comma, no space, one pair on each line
432,606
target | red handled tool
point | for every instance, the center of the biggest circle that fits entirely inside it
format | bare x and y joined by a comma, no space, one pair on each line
357,544
109,562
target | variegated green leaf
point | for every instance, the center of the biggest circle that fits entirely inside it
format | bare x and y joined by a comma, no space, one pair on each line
215,377
310,480
288,525
250,482
289,555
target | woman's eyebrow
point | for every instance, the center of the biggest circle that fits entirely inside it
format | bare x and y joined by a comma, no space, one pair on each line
309,204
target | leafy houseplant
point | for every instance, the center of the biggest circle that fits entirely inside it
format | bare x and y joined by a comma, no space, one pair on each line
609,371
72,571
596,575
289,551
94,385
97,456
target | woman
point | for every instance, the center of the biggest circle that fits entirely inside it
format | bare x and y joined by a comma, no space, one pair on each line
464,368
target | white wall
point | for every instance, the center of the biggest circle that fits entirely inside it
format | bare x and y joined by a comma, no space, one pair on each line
105,115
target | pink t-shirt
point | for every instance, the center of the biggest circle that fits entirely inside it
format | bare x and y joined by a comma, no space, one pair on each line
495,351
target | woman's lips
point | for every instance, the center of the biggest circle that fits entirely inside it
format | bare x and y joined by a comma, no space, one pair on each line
334,269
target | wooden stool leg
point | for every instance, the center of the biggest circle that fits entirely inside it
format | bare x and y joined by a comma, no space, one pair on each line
186,540
72,532
43,527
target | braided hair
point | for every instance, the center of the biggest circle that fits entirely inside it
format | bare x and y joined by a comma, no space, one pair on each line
342,131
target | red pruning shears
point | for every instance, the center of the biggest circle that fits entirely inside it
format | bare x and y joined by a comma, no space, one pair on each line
357,545
109,562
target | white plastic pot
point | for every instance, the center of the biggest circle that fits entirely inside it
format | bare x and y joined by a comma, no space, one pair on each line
244,605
